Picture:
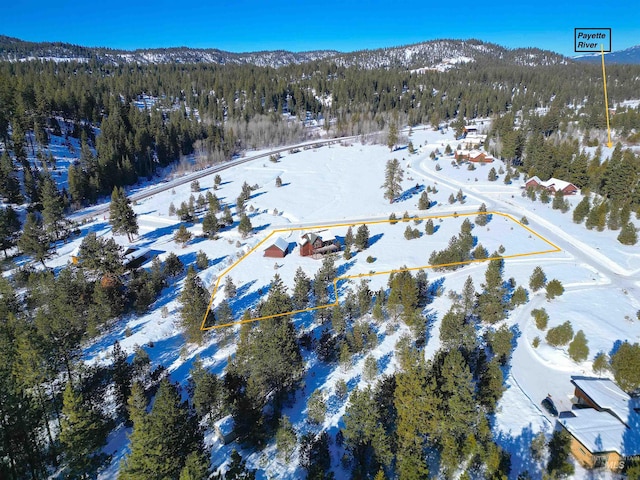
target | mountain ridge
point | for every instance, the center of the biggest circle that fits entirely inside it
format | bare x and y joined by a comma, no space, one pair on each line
628,56
438,54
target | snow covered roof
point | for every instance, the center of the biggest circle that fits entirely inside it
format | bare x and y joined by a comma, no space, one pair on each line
308,237
556,183
607,395
328,236
614,426
133,253
598,431
281,244
225,425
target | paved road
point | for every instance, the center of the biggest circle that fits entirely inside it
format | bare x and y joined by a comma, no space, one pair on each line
167,185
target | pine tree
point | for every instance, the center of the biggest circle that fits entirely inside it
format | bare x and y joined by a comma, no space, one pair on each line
206,392
468,300
393,177
229,288
519,297
238,469
194,299
244,227
370,371
582,210
122,374
278,182
537,280
559,465
554,289
82,434
286,438
544,196
460,196
418,408
210,224
316,407
202,261
240,205
121,216
491,305
362,238
349,238
491,385
482,219
493,176
429,228
500,341
9,184
301,289
423,201
227,219
214,203
578,349
52,209
392,136
34,241
625,365
600,363
182,236
196,467
9,228
162,440
628,235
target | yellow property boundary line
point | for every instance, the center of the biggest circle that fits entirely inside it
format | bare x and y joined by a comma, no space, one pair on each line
554,249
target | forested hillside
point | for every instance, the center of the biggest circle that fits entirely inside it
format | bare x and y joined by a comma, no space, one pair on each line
132,120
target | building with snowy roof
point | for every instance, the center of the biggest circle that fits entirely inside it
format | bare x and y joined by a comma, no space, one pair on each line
552,185
311,243
604,425
278,249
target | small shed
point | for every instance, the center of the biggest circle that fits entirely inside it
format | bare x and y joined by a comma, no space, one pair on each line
278,249
225,430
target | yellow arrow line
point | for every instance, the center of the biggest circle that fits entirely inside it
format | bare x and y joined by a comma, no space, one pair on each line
606,100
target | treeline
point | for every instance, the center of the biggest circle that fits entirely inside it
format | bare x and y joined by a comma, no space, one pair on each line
222,109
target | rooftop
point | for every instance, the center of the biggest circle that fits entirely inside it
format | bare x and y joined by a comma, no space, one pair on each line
607,395
281,243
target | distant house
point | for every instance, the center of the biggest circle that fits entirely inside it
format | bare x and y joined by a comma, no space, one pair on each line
604,424
134,257
225,430
552,185
278,249
475,156
314,244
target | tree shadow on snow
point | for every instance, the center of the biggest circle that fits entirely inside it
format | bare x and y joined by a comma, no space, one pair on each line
521,456
407,194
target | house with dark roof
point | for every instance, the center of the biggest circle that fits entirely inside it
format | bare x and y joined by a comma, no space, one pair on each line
604,424
311,243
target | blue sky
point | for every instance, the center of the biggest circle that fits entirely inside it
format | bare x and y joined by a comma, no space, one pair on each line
298,25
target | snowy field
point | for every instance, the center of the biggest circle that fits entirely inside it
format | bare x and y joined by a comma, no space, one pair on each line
341,184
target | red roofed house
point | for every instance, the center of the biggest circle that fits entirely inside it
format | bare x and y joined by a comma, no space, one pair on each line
552,185
277,249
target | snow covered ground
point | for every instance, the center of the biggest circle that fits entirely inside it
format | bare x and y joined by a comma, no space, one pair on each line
338,184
